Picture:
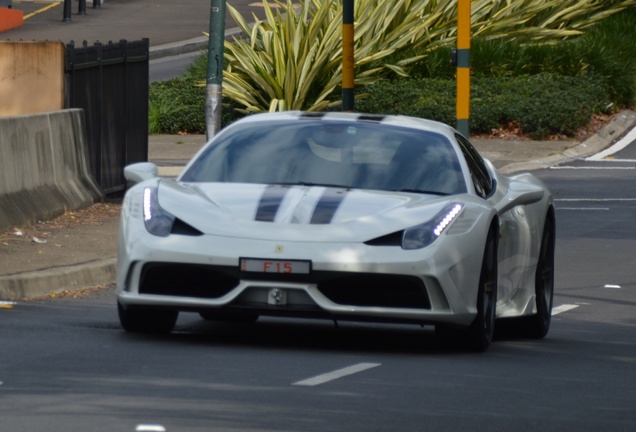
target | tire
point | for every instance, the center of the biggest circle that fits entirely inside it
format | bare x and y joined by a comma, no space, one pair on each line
480,332
147,320
479,335
225,316
538,325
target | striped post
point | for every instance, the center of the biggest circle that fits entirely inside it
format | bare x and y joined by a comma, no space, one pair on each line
463,66
347,56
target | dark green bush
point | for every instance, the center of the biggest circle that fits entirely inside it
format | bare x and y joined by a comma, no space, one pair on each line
176,106
607,51
542,104
426,98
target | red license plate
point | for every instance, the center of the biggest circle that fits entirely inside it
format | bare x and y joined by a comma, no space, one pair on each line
257,265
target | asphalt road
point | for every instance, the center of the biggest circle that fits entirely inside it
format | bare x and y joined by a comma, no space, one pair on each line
166,68
65,365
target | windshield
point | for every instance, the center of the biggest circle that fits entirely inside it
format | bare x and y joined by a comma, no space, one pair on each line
332,153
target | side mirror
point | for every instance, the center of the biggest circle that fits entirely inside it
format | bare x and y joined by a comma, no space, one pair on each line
520,194
139,172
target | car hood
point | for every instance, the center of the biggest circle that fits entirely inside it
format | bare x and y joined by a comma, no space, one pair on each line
295,213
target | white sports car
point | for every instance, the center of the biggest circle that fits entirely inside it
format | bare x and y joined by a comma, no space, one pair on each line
343,216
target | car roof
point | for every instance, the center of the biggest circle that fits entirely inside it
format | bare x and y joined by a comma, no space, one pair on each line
393,120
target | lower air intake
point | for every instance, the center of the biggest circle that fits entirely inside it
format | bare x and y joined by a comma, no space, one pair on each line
185,280
389,291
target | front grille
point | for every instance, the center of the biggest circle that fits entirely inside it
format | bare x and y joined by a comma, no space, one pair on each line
350,289
376,290
185,280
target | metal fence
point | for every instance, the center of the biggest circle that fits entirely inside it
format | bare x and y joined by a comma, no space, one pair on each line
110,83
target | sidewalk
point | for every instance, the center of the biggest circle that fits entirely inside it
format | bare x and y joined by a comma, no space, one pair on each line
172,26
79,249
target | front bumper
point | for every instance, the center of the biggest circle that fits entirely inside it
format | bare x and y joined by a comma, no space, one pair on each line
347,281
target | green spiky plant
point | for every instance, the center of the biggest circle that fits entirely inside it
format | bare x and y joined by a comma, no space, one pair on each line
293,58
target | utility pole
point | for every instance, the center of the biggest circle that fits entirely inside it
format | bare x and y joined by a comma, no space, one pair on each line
463,66
214,78
347,55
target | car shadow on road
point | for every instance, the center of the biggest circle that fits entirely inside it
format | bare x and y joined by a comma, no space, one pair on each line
311,335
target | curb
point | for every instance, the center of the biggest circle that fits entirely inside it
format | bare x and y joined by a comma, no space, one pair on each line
188,46
50,281
618,127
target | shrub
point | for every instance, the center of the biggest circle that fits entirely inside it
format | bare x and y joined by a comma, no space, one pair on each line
601,63
606,50
542,104
176,106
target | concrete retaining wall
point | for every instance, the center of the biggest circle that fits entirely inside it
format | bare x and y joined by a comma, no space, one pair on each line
43,167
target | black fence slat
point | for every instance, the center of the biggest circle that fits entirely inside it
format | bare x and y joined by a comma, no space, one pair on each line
110,83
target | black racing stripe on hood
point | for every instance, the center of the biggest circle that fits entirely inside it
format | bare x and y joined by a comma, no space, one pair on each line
327,205
270,202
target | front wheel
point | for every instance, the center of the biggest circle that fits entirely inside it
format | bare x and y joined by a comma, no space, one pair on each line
147,320
479,335
537,325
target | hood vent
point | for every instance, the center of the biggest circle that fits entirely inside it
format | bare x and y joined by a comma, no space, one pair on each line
393,239
181,228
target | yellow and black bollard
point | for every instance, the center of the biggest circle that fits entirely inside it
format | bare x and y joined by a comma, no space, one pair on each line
347,56
463,67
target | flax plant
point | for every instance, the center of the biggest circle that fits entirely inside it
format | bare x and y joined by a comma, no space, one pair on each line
293,59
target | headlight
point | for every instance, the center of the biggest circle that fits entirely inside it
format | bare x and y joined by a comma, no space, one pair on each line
423,235
158,221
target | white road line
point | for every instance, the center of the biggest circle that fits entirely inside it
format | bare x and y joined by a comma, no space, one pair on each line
595,199
591,168
330,376
617,160
620,145
150,428
583,208
563,308
612,286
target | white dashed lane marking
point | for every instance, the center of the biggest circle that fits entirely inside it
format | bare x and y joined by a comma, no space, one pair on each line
330,376
591,168
563,308
150,428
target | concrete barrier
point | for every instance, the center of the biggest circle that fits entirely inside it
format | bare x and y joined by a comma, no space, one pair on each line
43,167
